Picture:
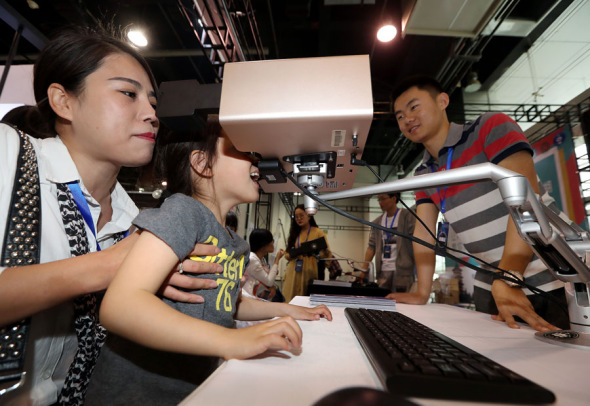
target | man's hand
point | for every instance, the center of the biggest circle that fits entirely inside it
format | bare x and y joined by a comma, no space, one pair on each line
513,302
409,298
178,280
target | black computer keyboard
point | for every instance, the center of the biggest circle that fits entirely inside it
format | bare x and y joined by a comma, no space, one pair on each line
416,361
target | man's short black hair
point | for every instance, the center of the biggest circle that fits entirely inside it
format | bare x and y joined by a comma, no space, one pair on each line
422,82
396,195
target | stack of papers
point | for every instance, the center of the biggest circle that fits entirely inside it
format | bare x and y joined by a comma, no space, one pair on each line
362,302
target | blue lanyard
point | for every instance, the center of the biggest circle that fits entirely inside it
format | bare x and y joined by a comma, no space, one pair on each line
390,226
84,209
306,238
443,199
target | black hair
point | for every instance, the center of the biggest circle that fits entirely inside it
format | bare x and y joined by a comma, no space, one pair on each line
68,59
296,229
259,237
29,120
173,151
422,82
231,220
396,195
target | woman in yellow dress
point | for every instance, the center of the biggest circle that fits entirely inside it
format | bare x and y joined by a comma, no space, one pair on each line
302,269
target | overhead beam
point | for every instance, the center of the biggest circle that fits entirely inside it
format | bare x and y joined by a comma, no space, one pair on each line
14,20
526,43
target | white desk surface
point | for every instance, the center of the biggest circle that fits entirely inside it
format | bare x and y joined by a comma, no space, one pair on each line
332,359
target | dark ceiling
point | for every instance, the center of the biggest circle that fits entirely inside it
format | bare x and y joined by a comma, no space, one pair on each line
268,29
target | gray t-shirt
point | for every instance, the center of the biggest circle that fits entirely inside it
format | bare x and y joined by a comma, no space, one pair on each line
128,373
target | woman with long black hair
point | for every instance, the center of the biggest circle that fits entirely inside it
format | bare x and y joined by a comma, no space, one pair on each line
303,268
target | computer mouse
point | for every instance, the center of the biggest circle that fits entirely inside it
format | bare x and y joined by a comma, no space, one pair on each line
363,396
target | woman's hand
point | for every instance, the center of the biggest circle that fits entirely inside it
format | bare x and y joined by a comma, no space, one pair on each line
280,254
272,292
511,301
283,334
178,280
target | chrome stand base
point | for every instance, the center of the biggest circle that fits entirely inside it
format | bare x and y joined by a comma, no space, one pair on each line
565,338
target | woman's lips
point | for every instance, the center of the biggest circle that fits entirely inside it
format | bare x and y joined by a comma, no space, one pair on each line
147,136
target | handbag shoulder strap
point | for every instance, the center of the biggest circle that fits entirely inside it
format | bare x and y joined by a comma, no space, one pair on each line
22,238
21,246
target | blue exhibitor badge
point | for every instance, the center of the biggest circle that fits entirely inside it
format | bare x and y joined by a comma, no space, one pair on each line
299,265
443,233
387,251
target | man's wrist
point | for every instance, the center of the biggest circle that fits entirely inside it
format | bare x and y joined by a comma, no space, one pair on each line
512,278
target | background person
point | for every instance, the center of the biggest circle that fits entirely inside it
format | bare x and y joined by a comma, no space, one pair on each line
475,212
231,221
95,97
302,269
394,256
260,278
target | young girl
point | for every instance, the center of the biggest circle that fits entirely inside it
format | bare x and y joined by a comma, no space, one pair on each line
207,176
302,269
260,279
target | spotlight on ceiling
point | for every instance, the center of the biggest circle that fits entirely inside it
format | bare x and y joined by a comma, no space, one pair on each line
386,33
137,37
473,84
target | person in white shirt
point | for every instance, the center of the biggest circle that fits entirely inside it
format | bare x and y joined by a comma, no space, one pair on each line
394,257
260,279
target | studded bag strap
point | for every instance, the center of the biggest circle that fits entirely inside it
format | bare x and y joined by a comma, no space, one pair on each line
21,246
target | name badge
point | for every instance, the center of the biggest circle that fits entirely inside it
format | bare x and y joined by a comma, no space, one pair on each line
299,265
443,233
387,251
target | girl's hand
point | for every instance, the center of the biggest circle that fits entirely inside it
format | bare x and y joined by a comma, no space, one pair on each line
308,313
178,280
283,334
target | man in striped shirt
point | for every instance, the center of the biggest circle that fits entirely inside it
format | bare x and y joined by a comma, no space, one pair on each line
475,212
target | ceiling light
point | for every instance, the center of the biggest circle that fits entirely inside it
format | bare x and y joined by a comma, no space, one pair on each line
386,33
473,84
137,38
32,5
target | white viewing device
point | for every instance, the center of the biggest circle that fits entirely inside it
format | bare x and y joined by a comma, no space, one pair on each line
308,116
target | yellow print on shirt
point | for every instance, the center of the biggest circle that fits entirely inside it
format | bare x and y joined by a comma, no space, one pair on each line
233,269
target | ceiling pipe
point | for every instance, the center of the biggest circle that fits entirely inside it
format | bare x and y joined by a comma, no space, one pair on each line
527,41
460,62
272,29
